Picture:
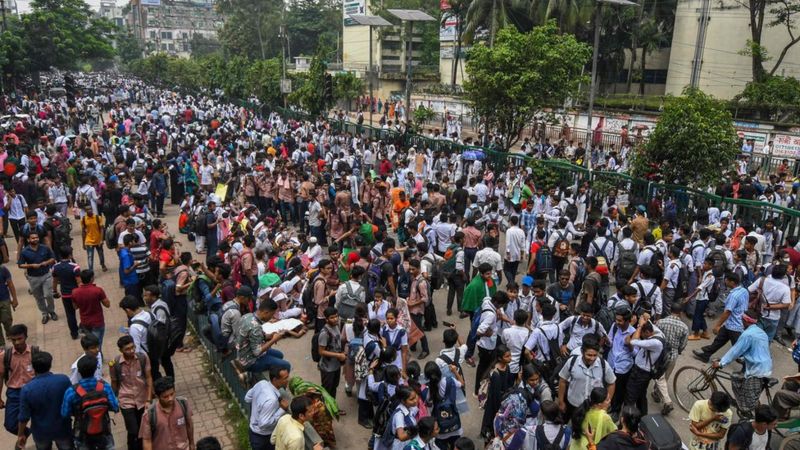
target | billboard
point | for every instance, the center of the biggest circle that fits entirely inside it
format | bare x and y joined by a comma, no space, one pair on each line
353,8
150,2
447,31
787,146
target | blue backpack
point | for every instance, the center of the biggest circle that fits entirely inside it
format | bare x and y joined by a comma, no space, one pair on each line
446,413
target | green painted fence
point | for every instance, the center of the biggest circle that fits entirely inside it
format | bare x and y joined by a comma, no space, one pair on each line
640,191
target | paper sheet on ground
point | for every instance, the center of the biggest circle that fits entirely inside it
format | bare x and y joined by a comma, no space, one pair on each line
281,325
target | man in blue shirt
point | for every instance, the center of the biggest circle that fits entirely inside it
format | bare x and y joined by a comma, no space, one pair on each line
127,268
621,356
37,259
753,347
71,406
48,426
729,325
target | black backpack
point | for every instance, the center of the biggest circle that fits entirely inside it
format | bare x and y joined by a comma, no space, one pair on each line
157,334
720,262
543,444
659,366
62,229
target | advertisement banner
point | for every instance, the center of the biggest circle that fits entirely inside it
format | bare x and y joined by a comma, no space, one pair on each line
784,145
447,32
151,2
759,138
353,8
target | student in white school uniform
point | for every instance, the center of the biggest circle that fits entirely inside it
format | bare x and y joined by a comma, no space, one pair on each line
515,338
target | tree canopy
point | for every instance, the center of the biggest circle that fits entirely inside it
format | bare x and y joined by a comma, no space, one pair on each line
524,72
693,143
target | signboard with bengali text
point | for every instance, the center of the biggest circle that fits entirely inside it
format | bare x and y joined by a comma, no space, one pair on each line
353,8
784,145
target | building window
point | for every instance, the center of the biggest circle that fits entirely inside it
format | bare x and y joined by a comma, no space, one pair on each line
152,34
185,35
166,35
164,47
171,47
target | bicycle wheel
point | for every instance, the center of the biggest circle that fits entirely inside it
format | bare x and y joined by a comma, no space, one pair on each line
691,384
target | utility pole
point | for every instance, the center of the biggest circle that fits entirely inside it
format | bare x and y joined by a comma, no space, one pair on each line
283,46
697,61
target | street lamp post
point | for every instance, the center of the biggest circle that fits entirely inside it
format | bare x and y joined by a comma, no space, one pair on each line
371,21
410,16
597,25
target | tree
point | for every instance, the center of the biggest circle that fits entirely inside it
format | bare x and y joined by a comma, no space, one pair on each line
309,94
128,48
263,80
784,13
776,99
310,23
457,10
346,86
693,143
651,37
64,33
203,46
251,27
512,81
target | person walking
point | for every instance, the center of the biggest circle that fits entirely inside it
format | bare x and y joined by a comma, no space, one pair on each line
87,437
676,334
729,325
167,422
331,352
133,385
36,406
37,259
92,227
89,299
66,277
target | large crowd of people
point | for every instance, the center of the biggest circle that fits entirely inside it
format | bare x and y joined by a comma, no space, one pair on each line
576,307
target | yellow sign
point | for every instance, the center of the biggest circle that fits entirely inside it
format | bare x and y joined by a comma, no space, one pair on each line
222,191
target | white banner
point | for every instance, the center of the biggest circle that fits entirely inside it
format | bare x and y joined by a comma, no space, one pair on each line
353,8
151,2
785,145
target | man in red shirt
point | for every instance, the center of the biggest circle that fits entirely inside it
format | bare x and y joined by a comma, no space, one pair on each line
89,300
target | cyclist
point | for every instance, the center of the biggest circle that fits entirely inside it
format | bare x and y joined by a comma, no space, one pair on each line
753,347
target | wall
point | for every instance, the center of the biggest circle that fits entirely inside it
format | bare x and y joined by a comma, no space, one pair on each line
724,71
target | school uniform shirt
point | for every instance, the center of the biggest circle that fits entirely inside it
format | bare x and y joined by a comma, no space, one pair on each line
706,283
578,330
671,273
515,243
643,288
392,339
488,255
266,410
603,246
488,321
647,352
774,292
515,338
75,377
621,356
582,379
537,340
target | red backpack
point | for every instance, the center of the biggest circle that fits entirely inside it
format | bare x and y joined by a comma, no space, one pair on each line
92,419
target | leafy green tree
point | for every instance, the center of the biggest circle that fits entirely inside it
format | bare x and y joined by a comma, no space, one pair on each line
128,47
310,23
458,12
309,95
512,81
251,27
780,13
693,143
776,99
263,79
347,86
422,115
62,33
203,46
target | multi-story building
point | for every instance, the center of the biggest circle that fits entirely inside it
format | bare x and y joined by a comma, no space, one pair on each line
169,25
113,13
389,54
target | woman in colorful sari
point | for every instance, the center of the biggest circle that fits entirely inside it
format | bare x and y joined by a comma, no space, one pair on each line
190,181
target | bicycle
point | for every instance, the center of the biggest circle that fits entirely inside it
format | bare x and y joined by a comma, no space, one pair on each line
691,384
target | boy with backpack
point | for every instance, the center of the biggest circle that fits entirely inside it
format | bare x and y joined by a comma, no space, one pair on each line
331,352
650,360
89,402
158,332
91,347
132,382
167,422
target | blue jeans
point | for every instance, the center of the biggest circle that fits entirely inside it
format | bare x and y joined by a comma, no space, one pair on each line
287,212
90,251
98,332
218,339
260,442
769,326
699,317
269,358
47,444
